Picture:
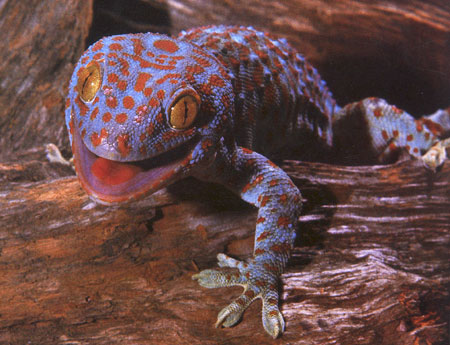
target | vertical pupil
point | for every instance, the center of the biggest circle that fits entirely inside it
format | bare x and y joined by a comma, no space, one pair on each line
185,111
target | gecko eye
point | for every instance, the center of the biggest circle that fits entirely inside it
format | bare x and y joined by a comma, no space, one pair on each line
89,81
183,111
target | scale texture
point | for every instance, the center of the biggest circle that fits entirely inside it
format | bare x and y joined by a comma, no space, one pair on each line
145,110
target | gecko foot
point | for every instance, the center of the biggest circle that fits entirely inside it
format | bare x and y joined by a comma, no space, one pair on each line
437,155
257,282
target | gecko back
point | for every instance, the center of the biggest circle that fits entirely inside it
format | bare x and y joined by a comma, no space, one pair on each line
278,95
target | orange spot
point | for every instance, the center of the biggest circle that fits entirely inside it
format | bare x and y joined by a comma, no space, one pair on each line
215,80
153,102
265,200
122,144
124,66
410,137
378,112
419,126
161,94
168,76
113,173
201,61
113,78
111,102
273,183
166,45
94,113
395,133
118,38
150,129
159,118
283,221
283,198
263,236
416,150
260,220
434,127
97,46
97,139
148,91
384,135
128,102
392,146
138,47
106,117
258,179
259,251
122,85
121,118
279,248
83,108
115,46
397,110
194,69
141,80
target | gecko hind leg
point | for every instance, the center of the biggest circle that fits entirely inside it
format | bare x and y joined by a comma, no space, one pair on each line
388,133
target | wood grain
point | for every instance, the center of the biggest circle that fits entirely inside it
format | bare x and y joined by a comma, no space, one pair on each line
370,265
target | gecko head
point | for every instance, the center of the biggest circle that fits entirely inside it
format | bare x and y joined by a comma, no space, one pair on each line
143,110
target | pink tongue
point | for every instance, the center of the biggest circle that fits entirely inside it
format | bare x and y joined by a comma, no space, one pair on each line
113,173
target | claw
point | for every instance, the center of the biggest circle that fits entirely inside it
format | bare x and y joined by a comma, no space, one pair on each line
229,316
273,323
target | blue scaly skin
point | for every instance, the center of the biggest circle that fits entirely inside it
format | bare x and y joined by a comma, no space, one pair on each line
145,110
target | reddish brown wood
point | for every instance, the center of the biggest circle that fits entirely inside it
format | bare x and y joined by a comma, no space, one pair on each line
371,262
41,42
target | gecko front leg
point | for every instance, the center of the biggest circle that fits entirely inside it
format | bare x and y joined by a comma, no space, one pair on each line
259,182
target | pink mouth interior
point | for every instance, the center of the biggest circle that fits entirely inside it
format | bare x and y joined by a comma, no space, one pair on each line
111,181
113,173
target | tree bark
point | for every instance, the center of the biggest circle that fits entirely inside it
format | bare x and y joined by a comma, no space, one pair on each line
370,264
41,42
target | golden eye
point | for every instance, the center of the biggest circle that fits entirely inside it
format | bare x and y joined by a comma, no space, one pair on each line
89,81
183,111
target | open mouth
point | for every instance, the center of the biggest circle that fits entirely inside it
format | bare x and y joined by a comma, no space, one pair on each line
109,181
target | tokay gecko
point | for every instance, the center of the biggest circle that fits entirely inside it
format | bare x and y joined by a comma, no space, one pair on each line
145,110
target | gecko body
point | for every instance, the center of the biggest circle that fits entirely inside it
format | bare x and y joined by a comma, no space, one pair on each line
145,110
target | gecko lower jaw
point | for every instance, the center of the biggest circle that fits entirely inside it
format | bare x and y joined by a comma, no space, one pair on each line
109,182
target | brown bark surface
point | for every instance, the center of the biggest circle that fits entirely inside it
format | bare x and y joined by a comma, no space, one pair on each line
41,42
370,265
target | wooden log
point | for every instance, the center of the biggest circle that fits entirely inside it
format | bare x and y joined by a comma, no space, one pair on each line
370,263
41,42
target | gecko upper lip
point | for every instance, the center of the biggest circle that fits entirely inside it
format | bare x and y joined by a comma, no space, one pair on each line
111,181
